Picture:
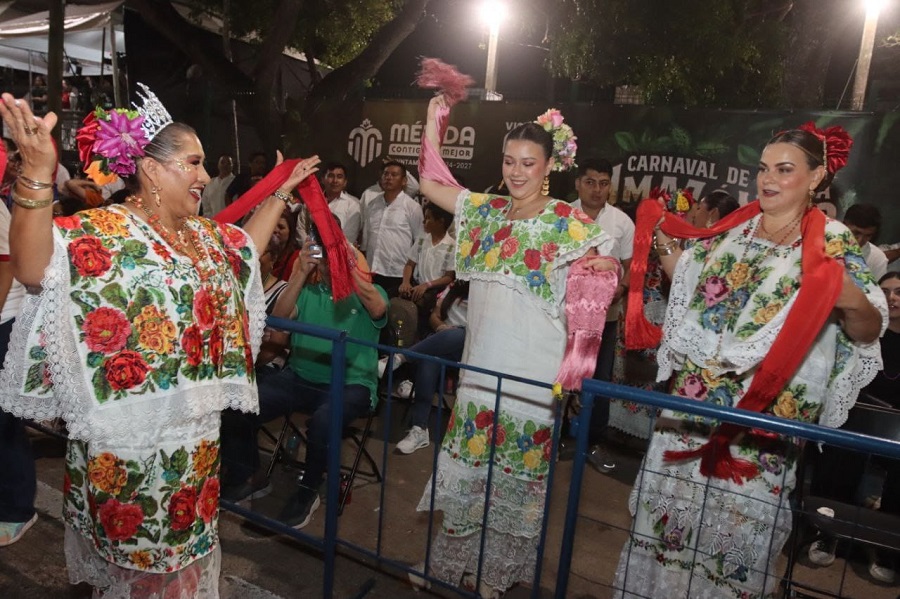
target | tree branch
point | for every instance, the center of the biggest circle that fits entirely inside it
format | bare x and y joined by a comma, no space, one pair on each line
172,26
337,84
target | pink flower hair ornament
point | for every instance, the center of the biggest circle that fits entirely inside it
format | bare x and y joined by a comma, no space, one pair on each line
110,141
564,146
113,138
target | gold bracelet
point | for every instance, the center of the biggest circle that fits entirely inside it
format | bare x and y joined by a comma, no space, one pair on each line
666,248
284,197
33,184
29,204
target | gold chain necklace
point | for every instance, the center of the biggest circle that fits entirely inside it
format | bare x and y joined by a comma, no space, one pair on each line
511,211
740,265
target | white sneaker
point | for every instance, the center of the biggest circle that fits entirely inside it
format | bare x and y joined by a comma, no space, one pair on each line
821,553
416,438
382,364
882,572
418,582
405,389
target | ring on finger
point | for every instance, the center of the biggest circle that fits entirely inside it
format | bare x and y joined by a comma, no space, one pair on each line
30,130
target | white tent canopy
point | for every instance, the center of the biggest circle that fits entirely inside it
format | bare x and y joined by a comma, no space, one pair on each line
23,40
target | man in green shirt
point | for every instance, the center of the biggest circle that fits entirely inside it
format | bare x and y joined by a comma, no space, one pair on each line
302,386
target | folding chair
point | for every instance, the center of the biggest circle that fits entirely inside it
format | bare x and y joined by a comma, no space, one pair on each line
851,522
358,435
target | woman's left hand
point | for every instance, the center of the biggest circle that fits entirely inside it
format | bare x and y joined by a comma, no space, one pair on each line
602,263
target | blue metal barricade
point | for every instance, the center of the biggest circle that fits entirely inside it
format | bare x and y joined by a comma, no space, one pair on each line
787,429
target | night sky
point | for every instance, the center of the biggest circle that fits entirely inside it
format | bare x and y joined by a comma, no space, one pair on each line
453,31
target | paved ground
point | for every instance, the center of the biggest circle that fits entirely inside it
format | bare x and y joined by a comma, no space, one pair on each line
258,564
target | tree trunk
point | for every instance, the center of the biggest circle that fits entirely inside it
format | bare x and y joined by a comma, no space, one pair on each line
260,107
337,84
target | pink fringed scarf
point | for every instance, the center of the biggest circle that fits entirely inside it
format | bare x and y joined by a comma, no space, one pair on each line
435,74
588,296
340,260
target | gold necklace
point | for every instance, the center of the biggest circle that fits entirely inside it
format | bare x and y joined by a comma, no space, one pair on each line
740,265
788,226
511,211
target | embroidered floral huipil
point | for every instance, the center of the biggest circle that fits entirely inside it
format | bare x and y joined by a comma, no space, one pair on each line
139,351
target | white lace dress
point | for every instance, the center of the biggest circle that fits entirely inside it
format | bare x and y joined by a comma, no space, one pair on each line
139,351
696,537
516,326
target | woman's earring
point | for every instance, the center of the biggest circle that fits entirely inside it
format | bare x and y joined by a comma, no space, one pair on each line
154,191
545,186
812,196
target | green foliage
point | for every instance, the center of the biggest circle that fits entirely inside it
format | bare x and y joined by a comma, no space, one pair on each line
334,30
688,53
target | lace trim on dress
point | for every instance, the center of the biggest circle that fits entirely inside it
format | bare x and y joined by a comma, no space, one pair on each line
507,560
516,506
684,337
200,580
704,534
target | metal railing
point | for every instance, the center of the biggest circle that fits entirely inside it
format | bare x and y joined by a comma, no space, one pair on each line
330,542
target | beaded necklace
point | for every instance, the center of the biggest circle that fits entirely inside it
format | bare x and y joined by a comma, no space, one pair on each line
750,265
185,241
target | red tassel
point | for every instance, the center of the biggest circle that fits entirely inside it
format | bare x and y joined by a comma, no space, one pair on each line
716,460
341,262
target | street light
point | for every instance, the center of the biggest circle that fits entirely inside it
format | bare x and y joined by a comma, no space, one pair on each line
492,14
873,8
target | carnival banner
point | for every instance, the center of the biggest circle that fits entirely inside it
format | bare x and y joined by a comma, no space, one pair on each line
648,147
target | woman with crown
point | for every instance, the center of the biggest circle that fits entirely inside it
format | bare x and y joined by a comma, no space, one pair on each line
145,328
773,310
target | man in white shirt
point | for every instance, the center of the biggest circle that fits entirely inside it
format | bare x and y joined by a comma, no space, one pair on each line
213,199
892,253
593,183
342,204
392,221
863,221
411,188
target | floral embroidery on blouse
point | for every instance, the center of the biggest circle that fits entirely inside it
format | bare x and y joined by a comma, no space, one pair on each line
140,331
524,250
735,294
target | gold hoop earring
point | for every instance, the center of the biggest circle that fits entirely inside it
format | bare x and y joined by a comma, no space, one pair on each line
154,191
545,186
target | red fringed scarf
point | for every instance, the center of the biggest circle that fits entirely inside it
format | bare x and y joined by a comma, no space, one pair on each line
822,282
340,260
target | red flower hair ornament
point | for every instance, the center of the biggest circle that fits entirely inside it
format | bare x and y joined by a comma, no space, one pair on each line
836,144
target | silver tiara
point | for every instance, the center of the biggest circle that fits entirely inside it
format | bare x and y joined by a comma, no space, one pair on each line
155,114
